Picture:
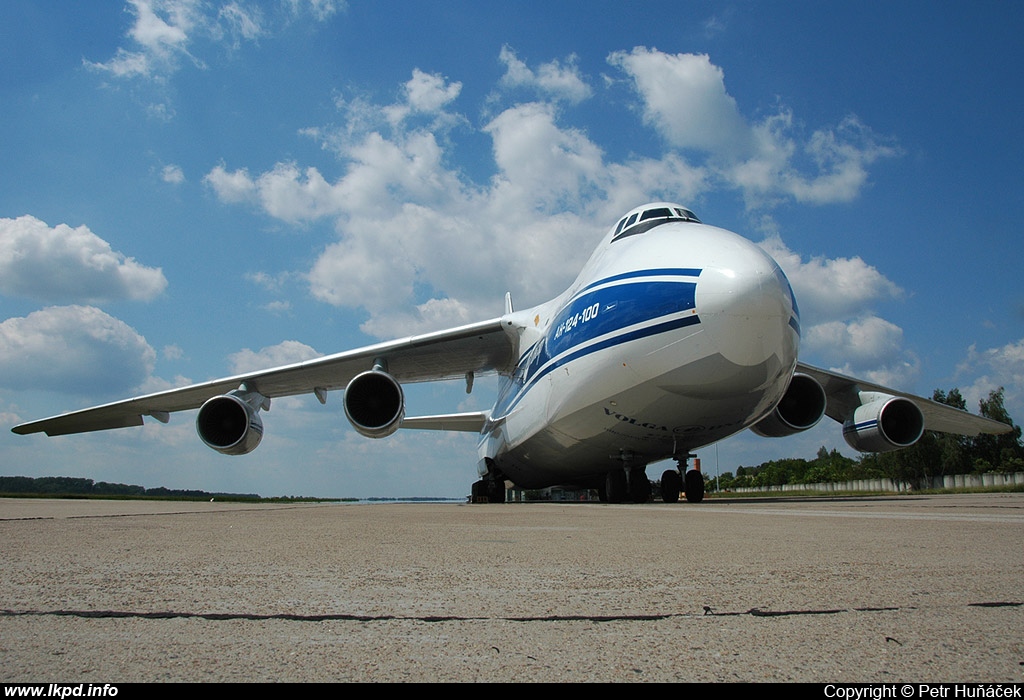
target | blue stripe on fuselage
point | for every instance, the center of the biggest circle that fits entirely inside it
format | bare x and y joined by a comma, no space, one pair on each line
662,272
610,312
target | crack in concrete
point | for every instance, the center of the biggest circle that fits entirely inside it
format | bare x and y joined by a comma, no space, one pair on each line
343,617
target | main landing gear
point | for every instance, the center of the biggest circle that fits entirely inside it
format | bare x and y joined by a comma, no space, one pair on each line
629,484
488,491
491,488
626,485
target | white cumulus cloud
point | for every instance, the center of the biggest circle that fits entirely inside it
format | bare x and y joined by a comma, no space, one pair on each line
426,94
172,174
166,33
65,264
73,349
159,38
686,101
284,353
551,79
828,289
999,367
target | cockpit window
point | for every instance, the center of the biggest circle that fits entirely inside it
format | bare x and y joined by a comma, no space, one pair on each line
649,218
656,214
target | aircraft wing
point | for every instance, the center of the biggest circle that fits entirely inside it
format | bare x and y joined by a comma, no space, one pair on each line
843,395
465,422
448,354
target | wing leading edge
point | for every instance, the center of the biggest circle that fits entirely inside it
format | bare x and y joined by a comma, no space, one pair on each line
843,397
449,354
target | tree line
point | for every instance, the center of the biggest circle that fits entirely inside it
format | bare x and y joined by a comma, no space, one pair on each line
75,486
935,454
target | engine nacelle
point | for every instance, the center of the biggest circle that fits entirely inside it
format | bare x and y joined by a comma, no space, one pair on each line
230,424
801,407
887,423
374,404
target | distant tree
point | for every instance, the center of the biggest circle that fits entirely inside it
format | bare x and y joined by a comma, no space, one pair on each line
17,484
829,467
744,478
726,481
1001,452
63,485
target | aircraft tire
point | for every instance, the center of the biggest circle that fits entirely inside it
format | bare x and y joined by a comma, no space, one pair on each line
671,485
495,491
479,493
488,491
616,489
694,486
639,486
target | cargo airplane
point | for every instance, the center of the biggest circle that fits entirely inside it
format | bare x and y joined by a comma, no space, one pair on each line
675,335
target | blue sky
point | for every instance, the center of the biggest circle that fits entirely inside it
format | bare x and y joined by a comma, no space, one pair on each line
189,189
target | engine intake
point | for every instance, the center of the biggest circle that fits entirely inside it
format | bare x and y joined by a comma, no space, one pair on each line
885,424
801,407
374,404
230,424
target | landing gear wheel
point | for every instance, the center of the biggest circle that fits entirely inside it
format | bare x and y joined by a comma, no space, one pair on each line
488,491
694,486
671,485
479,492
616,489
496,490
639,486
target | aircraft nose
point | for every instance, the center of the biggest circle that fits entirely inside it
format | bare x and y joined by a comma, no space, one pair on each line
746,305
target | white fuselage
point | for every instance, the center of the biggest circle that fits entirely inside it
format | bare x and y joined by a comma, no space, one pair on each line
670,339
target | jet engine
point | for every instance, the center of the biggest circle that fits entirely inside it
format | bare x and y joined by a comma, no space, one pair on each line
801,407
231,423
883,424
374,403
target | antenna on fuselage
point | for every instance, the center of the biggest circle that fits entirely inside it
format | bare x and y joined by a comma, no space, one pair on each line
508,303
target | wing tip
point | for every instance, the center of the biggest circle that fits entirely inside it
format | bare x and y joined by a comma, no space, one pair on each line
71,424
